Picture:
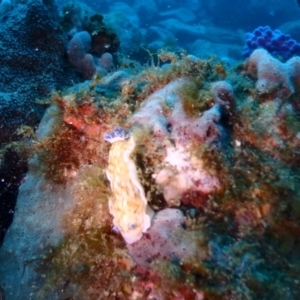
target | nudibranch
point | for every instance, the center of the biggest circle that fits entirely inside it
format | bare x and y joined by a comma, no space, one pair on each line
128,204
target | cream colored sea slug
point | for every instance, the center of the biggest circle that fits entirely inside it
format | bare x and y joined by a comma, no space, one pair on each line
128,204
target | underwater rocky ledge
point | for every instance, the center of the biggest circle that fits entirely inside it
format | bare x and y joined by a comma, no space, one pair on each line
175,181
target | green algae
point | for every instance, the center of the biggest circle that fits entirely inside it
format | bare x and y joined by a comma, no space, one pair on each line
93,262
195,99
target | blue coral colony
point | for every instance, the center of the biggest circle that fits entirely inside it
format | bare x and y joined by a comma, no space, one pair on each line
146,153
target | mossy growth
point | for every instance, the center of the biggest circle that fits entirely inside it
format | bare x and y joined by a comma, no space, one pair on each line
258,203
91,262
166,280
292,122
251,176
195,98
255,176
23,148
177,65
220,71
75,135
270,125
239,267
61,153
147,155
94,264
90,192
243,85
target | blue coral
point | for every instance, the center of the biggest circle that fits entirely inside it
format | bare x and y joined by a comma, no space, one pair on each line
275,42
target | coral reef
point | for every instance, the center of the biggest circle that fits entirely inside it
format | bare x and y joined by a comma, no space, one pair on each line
170,177
212,154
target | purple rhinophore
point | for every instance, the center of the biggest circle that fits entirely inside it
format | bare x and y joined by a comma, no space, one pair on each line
118,134
274,41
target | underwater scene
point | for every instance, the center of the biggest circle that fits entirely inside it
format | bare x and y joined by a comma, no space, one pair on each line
149,150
